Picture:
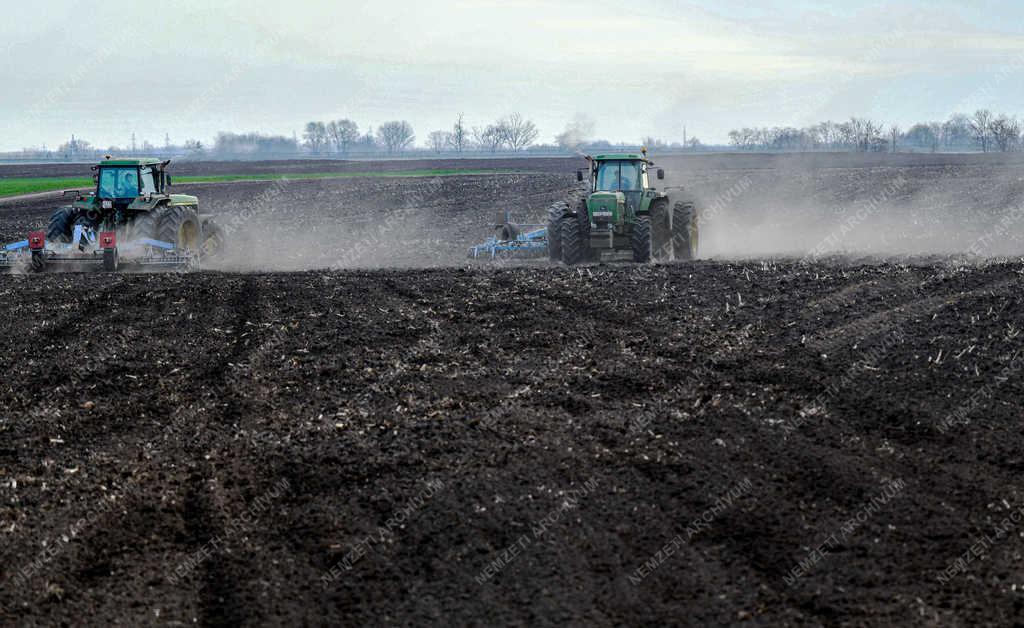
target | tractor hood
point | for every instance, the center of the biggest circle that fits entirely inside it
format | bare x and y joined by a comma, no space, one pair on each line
606,207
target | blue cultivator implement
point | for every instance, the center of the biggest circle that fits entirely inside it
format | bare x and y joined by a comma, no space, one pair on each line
513,240
91,250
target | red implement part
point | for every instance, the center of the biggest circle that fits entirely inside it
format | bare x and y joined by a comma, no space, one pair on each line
108,240
37,240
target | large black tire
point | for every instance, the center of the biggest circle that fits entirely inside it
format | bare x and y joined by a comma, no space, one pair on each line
574,247
661,231
143,226
180,226
62,225
110,261
641,239
556,213
684,230
583,222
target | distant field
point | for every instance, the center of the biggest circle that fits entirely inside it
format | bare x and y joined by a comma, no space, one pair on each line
32,185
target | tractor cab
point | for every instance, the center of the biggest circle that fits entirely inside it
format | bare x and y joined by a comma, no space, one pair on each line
618,185
120,182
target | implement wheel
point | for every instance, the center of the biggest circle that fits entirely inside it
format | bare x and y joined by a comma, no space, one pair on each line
110,260
38,263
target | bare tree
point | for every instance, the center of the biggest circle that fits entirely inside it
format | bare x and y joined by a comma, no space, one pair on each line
491,137
957,131
315,136
396,136
939,137
981,128
342,133
1005,132
894,133
459,135
439,140
922,136
519,132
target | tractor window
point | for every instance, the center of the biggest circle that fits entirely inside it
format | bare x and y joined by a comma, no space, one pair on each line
147,185
630,176
118,183
615,176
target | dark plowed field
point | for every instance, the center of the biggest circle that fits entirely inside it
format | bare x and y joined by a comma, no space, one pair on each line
710,443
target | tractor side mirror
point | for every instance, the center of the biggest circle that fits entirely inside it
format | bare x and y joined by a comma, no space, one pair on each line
661,174
579,176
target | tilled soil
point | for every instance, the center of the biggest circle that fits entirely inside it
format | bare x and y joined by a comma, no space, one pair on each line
367,446
784,442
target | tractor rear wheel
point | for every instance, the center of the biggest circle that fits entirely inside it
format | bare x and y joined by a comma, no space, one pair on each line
661,231
62,225
143,226
555,215
684,230
641,240
180,226
574,247
214,241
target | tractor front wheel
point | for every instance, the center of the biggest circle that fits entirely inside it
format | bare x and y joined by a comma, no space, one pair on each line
641,240
574,247
583,220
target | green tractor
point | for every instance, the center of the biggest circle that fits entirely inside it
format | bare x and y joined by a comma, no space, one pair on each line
138,218
619,214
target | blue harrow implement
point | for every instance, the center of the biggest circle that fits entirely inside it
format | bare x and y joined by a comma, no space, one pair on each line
92,250
513,240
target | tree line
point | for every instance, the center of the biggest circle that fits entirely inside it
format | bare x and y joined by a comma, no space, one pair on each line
984,131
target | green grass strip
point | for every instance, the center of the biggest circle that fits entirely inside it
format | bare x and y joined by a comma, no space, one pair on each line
30,185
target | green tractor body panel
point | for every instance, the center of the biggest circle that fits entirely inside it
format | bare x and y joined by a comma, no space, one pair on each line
183,199
620,192
607,207
129,162
620,157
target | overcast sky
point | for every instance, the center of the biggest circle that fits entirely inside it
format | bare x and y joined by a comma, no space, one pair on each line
105,69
